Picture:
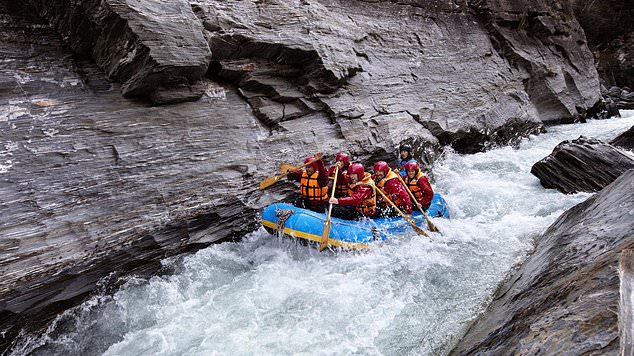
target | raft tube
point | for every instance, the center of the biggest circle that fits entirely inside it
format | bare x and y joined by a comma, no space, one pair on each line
348,234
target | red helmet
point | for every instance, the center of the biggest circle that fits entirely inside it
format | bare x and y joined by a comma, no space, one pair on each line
381,166
356,168
308,159
343,157
411,166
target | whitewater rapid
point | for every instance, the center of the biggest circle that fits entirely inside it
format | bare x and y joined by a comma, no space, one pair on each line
270,296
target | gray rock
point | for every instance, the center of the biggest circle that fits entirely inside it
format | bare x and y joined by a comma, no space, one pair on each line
150,46
94,184
626,291
564,299
612,109
611,41
625,140
546,41
582,165
365,60
621,99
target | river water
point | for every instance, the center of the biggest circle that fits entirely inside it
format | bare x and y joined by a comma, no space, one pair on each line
270,296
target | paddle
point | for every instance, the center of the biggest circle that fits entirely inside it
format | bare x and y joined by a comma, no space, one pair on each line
285,167
267,182
431,225
323,244
407,218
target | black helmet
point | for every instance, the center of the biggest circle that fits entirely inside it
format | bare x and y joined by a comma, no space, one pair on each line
405,147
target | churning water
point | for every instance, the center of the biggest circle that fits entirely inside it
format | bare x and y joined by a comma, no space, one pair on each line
409,296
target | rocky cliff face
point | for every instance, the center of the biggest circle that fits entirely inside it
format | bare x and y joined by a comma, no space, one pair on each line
611,37
565,298
607,25
152,48
92,182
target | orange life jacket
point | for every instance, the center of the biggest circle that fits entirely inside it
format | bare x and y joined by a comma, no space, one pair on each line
309,188
393,197
368,205
412,184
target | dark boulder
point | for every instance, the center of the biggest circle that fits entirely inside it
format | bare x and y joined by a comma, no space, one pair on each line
564,299
625,140
582,165
620,98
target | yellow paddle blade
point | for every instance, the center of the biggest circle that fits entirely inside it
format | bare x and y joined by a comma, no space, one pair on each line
418,229
323,244
431,225
267,182
284,167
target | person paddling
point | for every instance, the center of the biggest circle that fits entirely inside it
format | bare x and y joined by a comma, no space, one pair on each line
405,155
342,160
418,184
361,199
388,182
313,184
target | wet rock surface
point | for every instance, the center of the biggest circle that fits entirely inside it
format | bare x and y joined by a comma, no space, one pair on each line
625,140
582,165
94,183
565,298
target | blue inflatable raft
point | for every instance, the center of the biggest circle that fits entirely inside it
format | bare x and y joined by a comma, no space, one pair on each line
348,234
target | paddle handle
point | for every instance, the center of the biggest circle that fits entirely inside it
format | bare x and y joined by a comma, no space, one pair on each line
431,225
332,194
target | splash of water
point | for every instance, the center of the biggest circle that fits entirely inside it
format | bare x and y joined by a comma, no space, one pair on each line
269,296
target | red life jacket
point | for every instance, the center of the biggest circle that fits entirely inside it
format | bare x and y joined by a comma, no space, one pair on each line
368,205
393,197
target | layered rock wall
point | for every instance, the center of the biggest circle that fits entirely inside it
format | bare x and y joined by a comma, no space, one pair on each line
607,25
154,48
544,40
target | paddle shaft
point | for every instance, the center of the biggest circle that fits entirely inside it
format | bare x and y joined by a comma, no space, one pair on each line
323,244
407,218
431,225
